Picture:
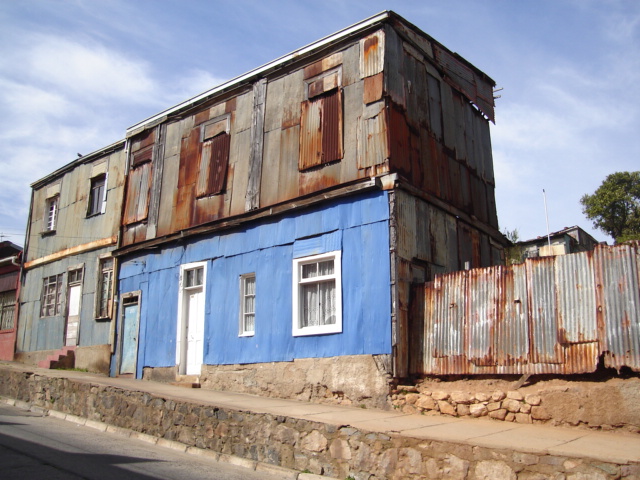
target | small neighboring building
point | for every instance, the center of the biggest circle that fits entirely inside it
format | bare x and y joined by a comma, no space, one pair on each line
66,297
274,227
568,240
10,257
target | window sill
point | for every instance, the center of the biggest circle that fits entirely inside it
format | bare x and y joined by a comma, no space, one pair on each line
47,233
309,331
103,319
248,334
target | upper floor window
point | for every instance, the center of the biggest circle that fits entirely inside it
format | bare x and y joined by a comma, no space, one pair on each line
321,121
247,304
139,182
104,292
317,294
214,157
51,213
51,301
97,195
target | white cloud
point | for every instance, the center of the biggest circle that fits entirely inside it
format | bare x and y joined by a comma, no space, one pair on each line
189,85
89,71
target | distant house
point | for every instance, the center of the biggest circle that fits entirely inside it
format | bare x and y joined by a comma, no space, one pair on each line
10,257
273,227
66,297
568,240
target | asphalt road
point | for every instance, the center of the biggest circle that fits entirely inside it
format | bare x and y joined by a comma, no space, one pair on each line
37,447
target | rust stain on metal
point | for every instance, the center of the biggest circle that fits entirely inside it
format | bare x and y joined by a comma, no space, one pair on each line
511,322
373,87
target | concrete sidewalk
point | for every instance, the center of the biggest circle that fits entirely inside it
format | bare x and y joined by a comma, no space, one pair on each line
618,448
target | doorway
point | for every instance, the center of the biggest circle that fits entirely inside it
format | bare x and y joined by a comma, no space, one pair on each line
74,297
190,339
129,329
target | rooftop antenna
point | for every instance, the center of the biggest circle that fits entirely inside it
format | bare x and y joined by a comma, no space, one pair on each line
546,214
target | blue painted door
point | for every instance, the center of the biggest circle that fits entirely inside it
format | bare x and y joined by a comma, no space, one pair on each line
129,338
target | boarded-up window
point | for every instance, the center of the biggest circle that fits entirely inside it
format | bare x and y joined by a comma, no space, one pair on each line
321,122
138,186
214,157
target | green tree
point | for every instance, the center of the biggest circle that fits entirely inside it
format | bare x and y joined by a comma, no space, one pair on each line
513,253
614,207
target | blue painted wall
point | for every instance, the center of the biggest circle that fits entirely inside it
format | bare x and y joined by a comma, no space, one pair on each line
357,225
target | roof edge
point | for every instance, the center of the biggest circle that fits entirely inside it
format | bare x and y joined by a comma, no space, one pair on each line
306,50
83,159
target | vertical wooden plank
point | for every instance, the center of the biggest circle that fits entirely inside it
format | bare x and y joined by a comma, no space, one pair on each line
270,186
288,175
252,200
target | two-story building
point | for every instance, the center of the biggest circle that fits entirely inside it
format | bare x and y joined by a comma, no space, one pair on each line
273,227
67,286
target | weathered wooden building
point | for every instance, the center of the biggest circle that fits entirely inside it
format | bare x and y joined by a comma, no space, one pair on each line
67,284
10,256
285,215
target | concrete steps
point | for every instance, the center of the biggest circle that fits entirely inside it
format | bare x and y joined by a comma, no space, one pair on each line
63,358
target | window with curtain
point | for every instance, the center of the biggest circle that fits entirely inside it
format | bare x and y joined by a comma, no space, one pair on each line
317,295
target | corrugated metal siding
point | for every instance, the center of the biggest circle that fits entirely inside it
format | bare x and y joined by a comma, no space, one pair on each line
372,54
332,127
548,315
619,299
359,226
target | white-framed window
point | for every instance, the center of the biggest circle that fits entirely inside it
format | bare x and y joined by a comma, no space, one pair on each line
97,195
247,305
51,301
317,294
51,213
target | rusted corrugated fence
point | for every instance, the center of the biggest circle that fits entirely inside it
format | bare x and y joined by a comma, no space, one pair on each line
546,315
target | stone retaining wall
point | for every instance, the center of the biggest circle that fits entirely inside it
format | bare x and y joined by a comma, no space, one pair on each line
608,405
334,451
321,380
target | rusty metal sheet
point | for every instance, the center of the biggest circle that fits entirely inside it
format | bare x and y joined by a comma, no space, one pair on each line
483,287
619,301
576,298
543,313
537,317
512,333
448,328
372,54
374,144
373,88
332,127
311,134
321,130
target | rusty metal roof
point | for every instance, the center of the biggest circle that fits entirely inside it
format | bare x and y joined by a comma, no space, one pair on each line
454,65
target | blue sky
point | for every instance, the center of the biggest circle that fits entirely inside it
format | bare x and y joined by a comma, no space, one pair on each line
75,74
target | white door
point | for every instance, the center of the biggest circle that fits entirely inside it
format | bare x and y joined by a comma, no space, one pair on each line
195,331
190,341
74,287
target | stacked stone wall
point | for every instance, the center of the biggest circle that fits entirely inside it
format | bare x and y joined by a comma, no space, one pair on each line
607,405
330,450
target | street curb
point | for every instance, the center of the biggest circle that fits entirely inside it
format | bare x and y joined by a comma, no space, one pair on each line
287,473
